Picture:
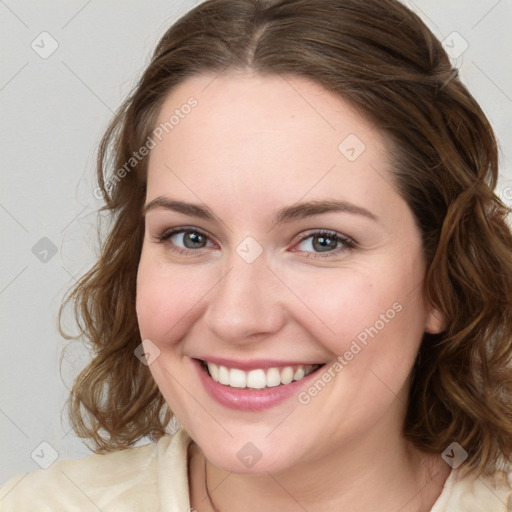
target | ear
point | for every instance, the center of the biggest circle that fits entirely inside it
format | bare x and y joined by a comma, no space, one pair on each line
435,322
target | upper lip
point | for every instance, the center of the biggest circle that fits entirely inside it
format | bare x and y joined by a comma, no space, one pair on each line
254,364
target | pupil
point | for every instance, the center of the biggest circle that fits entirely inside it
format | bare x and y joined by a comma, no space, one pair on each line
323,243
193,240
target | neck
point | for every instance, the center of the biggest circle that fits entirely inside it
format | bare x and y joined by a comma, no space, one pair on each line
383,479
387,476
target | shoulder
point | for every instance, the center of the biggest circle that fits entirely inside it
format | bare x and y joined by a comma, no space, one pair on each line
125,480
492,493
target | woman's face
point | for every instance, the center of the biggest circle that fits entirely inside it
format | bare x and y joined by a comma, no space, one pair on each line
276,240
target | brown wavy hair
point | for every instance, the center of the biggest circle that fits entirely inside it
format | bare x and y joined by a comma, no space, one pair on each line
380,57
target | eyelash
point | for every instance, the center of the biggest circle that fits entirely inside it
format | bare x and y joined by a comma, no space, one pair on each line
348,243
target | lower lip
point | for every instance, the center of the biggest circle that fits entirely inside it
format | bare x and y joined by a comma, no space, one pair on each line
244,399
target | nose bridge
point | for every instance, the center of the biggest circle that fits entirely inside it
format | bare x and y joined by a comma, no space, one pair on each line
245,301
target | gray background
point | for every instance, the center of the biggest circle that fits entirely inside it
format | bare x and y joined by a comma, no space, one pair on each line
54,111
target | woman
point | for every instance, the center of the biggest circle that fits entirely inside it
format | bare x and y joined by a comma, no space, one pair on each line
308,269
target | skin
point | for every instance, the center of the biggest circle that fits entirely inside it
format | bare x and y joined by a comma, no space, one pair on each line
254,145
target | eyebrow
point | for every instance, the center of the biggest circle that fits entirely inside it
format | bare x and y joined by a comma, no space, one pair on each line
281,216
308,209
202,212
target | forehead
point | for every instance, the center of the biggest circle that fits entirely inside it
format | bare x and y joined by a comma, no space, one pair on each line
249,107
278,136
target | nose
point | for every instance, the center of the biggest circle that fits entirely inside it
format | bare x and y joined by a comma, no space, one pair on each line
247,303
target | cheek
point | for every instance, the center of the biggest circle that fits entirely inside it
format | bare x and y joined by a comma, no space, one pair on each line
372,316
338,305
168,299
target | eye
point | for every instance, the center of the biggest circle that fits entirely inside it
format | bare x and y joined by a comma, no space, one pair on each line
326,242
185,239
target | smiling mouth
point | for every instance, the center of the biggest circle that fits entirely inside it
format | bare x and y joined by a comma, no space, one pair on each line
258,378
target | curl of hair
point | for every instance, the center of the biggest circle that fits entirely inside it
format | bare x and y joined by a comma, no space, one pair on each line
380,57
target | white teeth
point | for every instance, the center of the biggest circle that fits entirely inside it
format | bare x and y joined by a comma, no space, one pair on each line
299,373
286,375
223,375
214,371
237,378
258,379
273,377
